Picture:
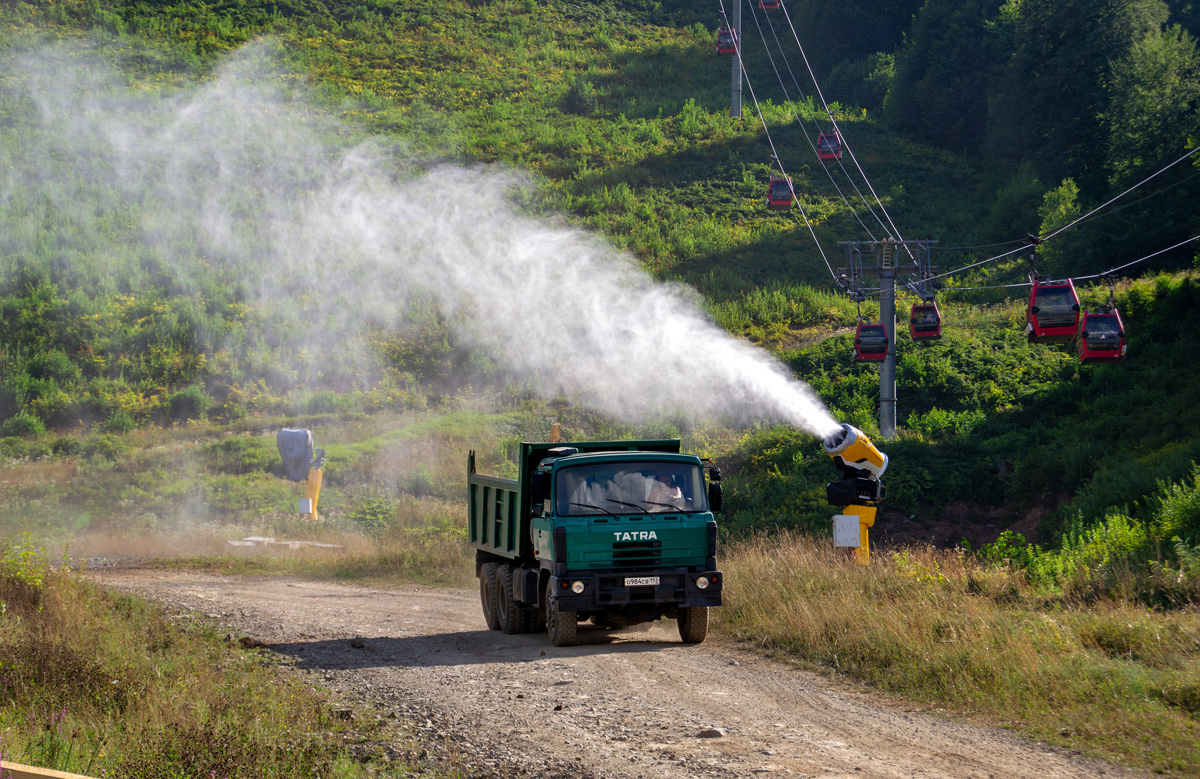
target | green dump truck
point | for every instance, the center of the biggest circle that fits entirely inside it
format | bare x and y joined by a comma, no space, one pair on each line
618,532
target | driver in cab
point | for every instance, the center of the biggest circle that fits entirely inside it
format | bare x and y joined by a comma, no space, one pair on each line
664,495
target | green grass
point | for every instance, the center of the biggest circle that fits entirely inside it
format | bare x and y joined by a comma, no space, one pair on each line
97,683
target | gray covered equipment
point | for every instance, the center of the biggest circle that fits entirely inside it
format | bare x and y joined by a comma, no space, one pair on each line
296,449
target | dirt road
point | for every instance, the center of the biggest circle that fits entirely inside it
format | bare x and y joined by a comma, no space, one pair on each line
630,704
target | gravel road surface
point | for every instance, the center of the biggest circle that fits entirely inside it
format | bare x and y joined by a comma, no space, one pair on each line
631,704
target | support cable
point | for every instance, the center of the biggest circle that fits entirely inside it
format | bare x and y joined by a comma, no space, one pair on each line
737,48
804,130
820,130
833,120
1123,194
1135,262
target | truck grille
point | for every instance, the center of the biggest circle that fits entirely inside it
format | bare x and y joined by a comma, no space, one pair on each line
636,554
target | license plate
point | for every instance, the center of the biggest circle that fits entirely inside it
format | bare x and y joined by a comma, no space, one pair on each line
640,581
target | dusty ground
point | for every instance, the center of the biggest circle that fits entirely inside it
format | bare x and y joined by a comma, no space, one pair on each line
628,704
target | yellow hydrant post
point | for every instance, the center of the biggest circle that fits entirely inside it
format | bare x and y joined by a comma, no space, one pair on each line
313,490
866,518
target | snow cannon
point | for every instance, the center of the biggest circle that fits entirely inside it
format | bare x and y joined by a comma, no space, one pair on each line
858,493
854,454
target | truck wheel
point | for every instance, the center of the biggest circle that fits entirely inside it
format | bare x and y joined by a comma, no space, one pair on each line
514,618
693,624
487,595
560,625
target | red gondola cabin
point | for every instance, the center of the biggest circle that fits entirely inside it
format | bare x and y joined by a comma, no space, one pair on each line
870,342
779,194
726,42
768,5
829,146
925,322
1052,315
1101,338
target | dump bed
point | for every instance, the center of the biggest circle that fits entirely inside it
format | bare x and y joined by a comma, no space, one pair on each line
498,509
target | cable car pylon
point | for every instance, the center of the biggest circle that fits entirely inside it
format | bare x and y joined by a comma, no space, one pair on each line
880,259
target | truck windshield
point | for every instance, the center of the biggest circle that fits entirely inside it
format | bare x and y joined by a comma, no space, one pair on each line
630,487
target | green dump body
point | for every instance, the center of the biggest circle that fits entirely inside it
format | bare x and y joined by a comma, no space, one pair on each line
499,515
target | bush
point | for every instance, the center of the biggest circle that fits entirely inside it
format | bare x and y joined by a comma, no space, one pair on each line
66,446
241,455
120,422
581,99
108,447
189,403
23,425
374,515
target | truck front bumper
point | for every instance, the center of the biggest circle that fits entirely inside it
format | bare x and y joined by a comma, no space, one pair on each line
602,590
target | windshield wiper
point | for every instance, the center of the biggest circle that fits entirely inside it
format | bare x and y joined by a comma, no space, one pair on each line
672,506
590,506
623,503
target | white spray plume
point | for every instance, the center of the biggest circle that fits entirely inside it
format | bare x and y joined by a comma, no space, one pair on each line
235,178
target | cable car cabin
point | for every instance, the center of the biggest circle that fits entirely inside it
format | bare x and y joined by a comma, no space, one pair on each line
726,42
829,146
768,5
925,322
1101,338
870,342
1052,316
779,194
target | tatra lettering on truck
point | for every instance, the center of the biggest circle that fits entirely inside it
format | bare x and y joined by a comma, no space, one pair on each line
637,536
615,532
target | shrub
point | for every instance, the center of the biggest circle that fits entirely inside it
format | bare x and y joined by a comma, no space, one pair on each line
189,403
240,455
66,446
374,515
54,364
13,448
120,422
23,425
328,402
108,447
581,99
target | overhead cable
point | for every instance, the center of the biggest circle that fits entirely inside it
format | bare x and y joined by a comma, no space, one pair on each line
737,48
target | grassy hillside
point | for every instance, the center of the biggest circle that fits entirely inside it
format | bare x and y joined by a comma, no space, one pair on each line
171,294
119,313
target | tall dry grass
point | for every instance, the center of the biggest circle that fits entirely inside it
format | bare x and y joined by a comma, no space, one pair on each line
93,682
942,628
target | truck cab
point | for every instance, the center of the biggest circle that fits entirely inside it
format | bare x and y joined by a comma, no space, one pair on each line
618,533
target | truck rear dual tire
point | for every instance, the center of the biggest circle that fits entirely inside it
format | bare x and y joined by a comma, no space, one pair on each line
693,624
561,626
487,595
513,616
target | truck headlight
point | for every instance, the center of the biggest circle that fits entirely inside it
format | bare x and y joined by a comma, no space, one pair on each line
702,582
577,587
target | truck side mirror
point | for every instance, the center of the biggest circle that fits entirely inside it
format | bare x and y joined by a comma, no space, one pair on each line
539,487
715,495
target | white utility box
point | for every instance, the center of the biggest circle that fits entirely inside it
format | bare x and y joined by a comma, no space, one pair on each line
845,531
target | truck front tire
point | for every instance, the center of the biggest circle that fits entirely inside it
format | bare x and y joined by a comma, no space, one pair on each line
560,625
693,624
487,595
